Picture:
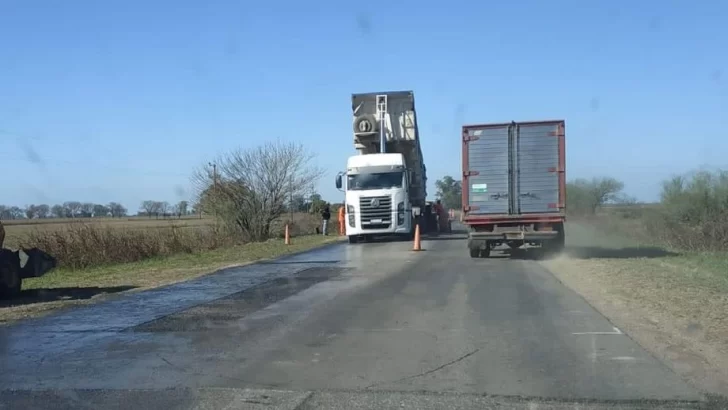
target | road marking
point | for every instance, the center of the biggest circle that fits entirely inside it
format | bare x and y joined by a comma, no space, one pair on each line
623,358
614,332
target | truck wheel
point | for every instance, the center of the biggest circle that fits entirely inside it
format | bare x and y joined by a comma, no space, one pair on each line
556,245
353,239
484,253
474,253
560,242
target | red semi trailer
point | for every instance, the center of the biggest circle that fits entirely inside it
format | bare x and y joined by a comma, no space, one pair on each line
514,185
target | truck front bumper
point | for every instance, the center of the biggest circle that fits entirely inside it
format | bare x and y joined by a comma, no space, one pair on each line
386,231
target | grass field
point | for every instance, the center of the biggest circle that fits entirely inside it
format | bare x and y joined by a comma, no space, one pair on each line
18,230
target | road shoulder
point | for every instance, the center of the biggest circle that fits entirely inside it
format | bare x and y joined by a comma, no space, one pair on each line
672,305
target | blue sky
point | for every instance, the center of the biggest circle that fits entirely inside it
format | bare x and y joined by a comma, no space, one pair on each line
119,101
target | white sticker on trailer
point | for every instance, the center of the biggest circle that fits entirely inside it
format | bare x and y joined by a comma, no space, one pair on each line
479,188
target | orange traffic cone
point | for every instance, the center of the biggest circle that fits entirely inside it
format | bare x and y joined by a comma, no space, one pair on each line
288,236
418,245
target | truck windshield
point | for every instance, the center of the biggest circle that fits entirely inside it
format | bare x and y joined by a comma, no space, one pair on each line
358,182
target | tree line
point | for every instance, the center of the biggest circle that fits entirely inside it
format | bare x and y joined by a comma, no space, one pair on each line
77,209
69,209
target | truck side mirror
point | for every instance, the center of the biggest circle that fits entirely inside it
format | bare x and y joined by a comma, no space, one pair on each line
338,181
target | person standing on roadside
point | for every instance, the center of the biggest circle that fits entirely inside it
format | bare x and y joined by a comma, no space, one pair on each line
342,227
326,215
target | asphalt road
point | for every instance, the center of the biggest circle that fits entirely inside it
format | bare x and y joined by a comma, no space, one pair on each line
367,326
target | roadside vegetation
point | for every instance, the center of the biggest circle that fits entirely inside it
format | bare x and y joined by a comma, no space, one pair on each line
241,209
658,270
692,214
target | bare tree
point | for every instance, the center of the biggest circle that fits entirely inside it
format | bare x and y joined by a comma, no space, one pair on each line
16,212
163,208
73,208
182,207
117,210
58,211
149,207
11,212
30,211
100,211
43,211
87,209
253,186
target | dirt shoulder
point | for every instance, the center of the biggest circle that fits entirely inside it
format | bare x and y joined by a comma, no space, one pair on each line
674,305
65,288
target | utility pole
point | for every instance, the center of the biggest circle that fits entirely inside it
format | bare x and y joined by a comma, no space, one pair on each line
291,203
214,186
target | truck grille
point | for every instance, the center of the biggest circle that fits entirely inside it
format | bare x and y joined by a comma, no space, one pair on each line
376,217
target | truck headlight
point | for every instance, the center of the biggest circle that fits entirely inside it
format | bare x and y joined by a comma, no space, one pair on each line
400,213
352,215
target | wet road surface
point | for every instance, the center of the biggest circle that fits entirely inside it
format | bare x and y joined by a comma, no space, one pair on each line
372,325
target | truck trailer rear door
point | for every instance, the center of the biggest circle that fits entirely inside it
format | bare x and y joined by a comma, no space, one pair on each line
486,169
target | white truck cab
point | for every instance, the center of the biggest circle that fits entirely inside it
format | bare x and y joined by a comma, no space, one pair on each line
377,196
386,184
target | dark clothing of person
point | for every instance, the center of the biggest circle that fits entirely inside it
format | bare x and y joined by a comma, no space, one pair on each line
326,214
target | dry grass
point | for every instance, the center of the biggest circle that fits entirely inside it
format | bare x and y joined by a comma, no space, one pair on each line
18,230
94,242
673,303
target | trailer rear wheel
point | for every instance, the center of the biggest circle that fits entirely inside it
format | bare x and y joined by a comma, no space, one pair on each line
485,253
474,253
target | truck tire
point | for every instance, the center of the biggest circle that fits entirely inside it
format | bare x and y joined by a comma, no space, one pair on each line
485,253
560,242
353,239
556,245
474,253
